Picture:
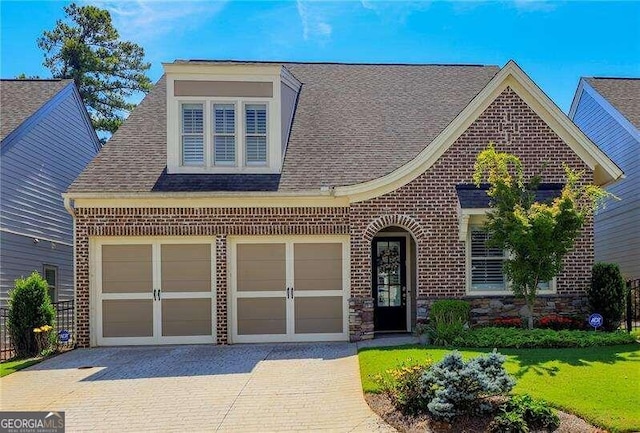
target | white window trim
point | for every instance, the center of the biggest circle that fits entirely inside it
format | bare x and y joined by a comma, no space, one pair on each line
211,104
274,127
244,133
204,131
474,217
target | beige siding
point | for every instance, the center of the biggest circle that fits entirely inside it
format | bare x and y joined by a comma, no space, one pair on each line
261,267
126,269
318,315
186,317
186,268
318,266
262,316
127,318
223,88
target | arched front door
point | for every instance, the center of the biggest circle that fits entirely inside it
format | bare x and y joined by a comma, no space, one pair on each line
389,278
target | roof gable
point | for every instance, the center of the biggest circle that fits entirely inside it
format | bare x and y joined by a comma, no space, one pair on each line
510,76
21,99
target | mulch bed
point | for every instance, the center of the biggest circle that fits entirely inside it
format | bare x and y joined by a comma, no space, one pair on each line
381,405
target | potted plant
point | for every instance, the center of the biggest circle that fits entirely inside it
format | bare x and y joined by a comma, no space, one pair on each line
422,331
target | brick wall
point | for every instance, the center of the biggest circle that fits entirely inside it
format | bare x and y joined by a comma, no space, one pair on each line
430,203
426,207
218,223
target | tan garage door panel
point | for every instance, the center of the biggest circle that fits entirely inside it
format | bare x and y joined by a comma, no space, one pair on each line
186,317
262,316
318,266
127,318
126,269
186,267
316,315
261,267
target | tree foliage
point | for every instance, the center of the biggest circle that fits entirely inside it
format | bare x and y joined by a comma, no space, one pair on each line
29,308
537,235
107,71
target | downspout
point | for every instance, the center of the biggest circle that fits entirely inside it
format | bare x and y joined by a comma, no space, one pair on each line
68,205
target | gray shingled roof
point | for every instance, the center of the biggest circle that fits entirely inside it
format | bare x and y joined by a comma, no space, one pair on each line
20,99
353,123
472,197
622,93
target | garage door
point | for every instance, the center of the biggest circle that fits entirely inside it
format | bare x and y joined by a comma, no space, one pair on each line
154,292
289,289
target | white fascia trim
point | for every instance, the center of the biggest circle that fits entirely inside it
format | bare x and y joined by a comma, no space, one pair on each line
289,79
218,194
221,69
509,76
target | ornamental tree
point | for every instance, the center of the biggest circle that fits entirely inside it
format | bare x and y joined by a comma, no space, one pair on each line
536,235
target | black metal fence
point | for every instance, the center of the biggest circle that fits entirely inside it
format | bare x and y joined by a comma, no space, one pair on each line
65,321
632,310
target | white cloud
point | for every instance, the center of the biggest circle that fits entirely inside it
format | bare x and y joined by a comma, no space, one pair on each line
145,20
395,10
314,25
534,5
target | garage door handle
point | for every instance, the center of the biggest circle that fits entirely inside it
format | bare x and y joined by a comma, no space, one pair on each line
154,294
292,293
287,293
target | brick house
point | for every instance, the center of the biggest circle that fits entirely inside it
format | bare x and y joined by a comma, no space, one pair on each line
255,202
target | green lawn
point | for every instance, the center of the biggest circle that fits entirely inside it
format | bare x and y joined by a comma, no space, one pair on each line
600,384
9,367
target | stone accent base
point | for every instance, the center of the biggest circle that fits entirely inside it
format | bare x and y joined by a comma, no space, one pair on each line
486,309
360,319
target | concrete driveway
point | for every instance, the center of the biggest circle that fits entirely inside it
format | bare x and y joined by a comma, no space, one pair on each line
247,388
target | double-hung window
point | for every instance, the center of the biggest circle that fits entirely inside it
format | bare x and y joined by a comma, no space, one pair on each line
486,263
192,134
224,134
255,134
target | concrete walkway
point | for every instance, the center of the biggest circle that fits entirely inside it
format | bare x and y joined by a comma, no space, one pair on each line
241,388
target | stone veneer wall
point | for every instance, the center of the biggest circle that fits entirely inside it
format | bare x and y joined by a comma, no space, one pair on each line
426,207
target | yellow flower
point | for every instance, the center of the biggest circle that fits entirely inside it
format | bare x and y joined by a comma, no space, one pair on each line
37,330
46,328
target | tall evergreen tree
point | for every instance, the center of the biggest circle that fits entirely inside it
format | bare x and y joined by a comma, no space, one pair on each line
107,71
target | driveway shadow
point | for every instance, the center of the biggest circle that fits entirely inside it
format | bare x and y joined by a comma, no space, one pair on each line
140,362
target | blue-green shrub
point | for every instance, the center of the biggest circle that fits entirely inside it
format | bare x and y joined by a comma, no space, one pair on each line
465,387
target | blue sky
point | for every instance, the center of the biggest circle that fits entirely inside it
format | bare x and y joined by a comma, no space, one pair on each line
554,42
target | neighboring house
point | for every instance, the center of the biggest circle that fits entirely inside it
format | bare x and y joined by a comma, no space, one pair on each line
254,202
607,110
46,141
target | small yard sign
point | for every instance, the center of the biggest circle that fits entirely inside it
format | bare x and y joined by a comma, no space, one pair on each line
595,320
64,336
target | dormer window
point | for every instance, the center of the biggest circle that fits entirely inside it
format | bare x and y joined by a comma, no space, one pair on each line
256,134
192,134
224,134
228,118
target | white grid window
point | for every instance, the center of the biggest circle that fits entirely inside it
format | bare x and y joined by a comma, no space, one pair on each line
486,263
224,134
255,134
192,130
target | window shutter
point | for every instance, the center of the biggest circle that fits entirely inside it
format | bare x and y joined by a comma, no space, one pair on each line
256,133
192,134
486,263
224,139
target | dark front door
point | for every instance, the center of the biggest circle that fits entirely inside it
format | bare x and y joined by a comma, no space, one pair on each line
389,284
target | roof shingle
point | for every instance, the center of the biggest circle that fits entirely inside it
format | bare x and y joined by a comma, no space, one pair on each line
622,93
20,99
353,123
